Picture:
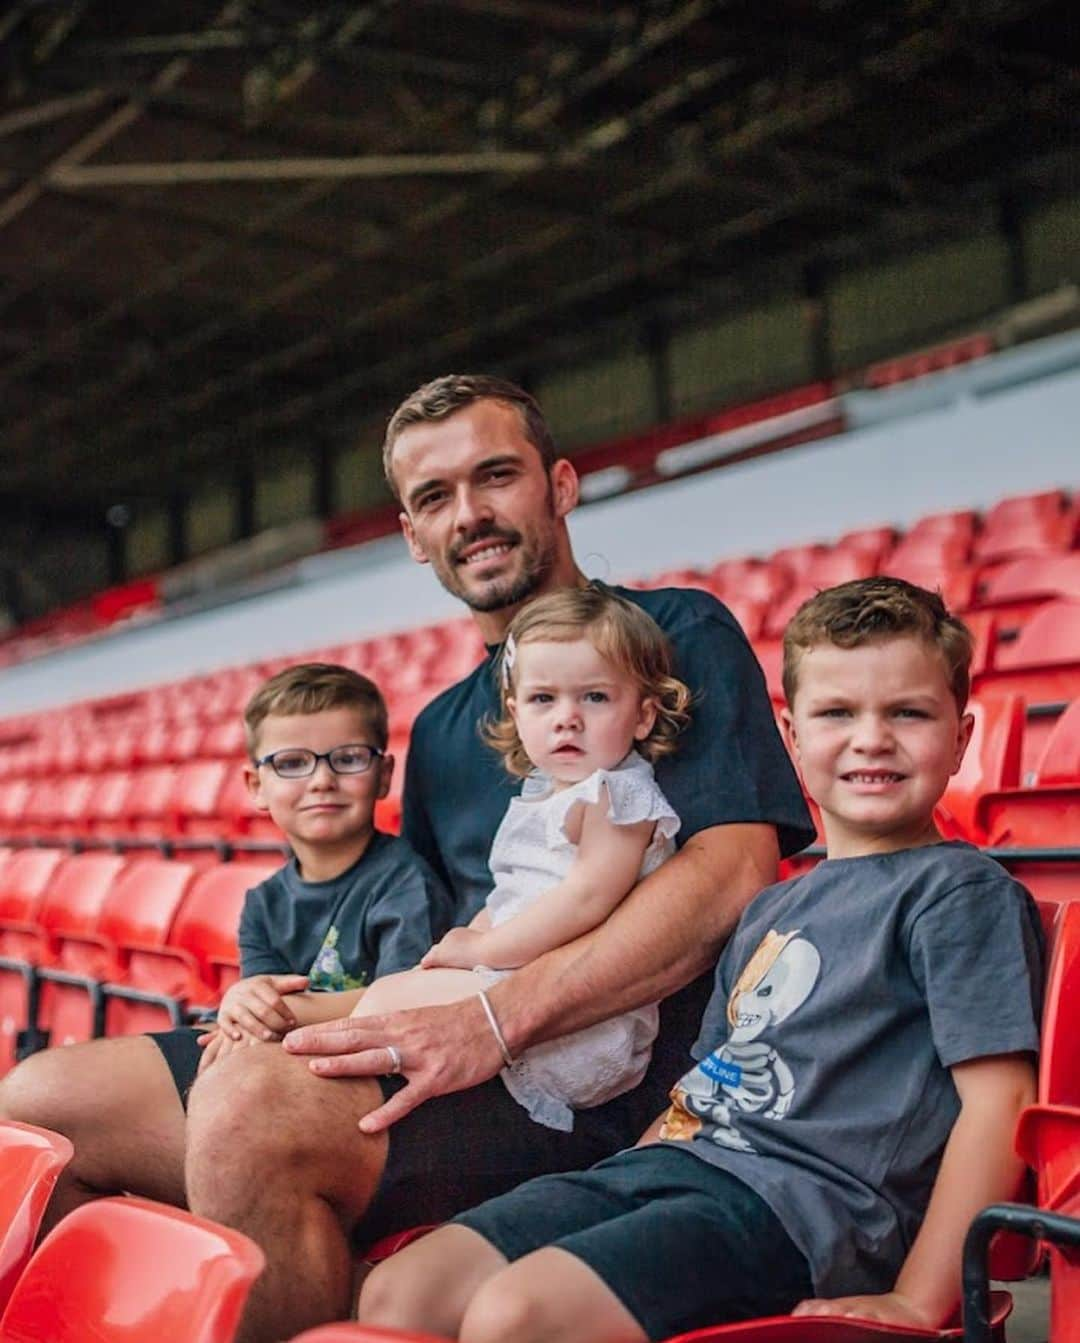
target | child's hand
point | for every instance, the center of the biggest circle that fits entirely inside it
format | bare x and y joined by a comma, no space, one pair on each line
255,1006
216,1044
886,1308
460,949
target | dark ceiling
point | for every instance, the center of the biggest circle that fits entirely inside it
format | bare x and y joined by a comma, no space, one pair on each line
228,227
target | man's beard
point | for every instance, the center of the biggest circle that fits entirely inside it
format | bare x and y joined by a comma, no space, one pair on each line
535,564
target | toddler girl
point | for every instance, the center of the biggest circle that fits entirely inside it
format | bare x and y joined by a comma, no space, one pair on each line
588,702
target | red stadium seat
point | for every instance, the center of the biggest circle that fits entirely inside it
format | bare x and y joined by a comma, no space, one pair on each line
823,569
109,802
125,1270
991,763
148,810
14,794
748,580
31,1159
1043,662
875,543
162,982
225,740
1026,582
1034,524
796,561
196,801
69,905
242,820
1047,812
138,912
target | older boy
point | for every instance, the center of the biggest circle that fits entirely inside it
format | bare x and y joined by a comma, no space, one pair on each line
862,1061
350,905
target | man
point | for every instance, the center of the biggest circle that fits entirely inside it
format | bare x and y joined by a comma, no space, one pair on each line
273,1147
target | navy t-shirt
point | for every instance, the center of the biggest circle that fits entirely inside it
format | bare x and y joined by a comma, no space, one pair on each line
730,766
378,916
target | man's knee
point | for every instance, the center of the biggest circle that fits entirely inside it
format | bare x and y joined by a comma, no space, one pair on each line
41,1090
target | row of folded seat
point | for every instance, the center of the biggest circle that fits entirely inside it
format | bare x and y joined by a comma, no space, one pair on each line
107,943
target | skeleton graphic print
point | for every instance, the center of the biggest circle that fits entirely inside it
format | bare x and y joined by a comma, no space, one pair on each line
747,1073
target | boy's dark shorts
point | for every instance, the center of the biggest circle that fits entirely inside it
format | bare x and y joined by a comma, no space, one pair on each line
681,1243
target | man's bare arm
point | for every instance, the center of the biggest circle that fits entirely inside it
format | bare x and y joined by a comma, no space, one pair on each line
666,932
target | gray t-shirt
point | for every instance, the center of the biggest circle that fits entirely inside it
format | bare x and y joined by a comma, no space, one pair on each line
840,1004
378,916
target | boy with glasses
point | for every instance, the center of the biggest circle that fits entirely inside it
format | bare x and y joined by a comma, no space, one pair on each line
351,904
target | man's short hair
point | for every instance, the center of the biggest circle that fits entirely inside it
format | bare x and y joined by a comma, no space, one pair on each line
314,687
442,397
869,610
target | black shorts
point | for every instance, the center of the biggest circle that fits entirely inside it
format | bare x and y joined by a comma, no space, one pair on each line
182,1055
458,1150
680,1242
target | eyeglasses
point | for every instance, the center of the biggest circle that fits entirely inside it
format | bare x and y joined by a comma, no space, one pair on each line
298,763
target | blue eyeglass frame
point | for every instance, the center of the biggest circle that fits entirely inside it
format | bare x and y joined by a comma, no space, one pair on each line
376,754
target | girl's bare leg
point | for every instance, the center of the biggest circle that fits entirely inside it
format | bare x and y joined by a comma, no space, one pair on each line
417,988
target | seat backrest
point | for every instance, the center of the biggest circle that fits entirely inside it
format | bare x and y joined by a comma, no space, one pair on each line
24,880
125,1270
152,793
76,895
142,905
31,1159
199,784
1059,1058
1033,578
1051,635
207,922
1059,764
991,761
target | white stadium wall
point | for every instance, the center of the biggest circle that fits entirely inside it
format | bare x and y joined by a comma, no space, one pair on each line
968,452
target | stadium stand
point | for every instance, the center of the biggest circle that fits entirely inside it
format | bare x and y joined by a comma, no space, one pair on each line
128,837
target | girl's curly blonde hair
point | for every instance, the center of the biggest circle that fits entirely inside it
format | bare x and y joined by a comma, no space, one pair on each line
623,635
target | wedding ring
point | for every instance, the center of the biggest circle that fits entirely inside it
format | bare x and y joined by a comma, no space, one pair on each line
395,1058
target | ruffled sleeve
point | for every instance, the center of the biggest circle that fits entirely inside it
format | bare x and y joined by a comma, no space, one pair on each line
634,796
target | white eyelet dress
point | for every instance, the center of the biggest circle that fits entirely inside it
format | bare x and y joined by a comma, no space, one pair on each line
530,855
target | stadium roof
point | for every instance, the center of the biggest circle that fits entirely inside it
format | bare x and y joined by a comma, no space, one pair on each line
227,225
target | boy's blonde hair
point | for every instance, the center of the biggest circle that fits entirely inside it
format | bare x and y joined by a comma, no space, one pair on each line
869,610
623,635
314,687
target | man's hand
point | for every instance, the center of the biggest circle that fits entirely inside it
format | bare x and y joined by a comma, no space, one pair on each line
255,1006
887,1308
443,1049
460,949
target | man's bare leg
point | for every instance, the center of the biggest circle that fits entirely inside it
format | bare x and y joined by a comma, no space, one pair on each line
275,1152
117,1102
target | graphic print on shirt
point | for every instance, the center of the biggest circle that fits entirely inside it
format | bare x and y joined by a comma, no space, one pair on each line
327,973
747,1073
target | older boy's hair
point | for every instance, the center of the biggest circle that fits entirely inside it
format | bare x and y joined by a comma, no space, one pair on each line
314,687
623,634
442,397
871,609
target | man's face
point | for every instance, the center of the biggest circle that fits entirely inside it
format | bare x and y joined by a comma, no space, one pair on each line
479,506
